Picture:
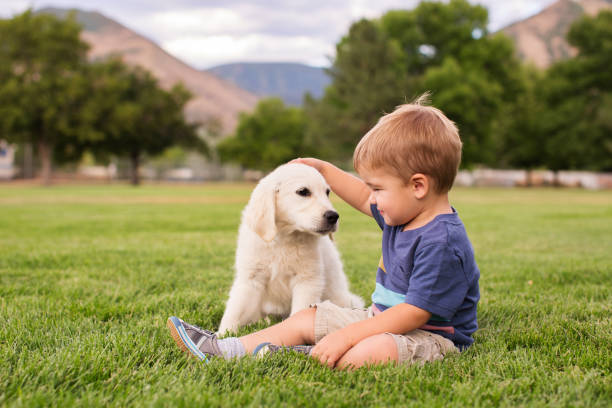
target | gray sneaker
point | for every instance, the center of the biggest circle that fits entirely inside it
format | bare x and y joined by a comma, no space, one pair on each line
265,349
191,339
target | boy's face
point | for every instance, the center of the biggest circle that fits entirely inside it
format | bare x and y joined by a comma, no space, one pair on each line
396,201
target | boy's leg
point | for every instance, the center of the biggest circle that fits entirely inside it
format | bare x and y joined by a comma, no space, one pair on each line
295,330
377,349
331,317
305,327
200,343
417,346
322,319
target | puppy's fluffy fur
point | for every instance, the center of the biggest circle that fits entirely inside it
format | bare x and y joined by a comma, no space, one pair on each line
285,259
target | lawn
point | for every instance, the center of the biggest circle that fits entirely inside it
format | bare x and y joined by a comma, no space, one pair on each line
89,275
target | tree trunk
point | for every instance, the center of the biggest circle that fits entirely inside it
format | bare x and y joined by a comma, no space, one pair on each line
529,178
28,162
45,153
556,181
135,160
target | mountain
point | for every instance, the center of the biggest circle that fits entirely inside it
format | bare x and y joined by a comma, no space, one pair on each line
540,39
212,96
288,81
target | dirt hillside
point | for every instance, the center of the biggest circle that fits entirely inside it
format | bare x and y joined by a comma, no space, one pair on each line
541,38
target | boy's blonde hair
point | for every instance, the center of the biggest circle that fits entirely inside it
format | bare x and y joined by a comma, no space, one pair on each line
414,138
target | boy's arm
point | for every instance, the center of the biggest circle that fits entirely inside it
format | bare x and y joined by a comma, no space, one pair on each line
348,187
400,318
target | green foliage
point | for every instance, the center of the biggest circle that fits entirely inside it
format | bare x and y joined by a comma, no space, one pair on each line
471,74
434,31
133,116
367,80
438,47
518,136
578,95
89,275
468,98
266,138
42,81
508,114
563,118
52,97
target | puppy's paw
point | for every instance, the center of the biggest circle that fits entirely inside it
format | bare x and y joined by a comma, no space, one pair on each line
357,301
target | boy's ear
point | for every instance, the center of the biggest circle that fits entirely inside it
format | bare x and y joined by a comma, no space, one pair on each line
420,185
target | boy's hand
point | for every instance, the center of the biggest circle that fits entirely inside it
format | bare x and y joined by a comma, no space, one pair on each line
349,188
331,347
309,161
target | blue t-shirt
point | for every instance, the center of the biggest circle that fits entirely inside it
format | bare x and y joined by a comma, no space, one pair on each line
432,268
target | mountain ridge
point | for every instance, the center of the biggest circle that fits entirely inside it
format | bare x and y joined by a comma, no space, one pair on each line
213,97
226,90
540,38
287,80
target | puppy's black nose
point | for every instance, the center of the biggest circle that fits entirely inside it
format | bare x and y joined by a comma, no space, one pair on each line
331,217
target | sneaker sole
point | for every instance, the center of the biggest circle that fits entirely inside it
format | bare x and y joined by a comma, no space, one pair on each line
261,350
182,340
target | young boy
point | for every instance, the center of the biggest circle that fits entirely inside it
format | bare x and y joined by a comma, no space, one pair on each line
424,304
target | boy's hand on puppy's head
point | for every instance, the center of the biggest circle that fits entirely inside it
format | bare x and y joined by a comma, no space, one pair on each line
309,161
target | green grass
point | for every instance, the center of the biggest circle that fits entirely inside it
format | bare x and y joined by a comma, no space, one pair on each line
89,275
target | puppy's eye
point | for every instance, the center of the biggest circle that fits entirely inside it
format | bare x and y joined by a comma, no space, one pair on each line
327,191
304,192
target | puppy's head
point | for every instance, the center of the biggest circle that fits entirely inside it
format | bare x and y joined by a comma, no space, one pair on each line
293,198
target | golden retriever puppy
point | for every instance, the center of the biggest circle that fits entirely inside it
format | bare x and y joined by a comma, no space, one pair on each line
285,258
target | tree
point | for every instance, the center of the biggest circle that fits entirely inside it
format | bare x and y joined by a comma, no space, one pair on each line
368,79
52,97
42,84
472,75
270,136
132,116
578,92
440,47
434,31
520,142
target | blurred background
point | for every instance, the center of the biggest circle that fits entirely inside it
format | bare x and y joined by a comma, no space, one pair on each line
192,91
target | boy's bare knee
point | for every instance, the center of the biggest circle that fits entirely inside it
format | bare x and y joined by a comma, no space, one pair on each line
303,322
377,349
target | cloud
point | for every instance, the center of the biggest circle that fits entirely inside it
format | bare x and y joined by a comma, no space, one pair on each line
9,8
250,48
211,32
215,32
209,21
503,13
259,31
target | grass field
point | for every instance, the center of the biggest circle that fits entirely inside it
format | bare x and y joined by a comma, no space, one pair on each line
89,275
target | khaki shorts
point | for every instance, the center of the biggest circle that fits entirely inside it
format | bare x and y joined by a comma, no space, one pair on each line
417,346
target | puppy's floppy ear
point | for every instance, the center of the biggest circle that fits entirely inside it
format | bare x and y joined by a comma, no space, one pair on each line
261,211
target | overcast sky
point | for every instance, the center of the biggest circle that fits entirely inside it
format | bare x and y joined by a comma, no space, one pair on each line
205,33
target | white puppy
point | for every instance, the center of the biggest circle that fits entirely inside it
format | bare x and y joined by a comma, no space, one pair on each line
285,259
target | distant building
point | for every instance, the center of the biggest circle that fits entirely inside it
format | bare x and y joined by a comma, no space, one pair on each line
7,158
